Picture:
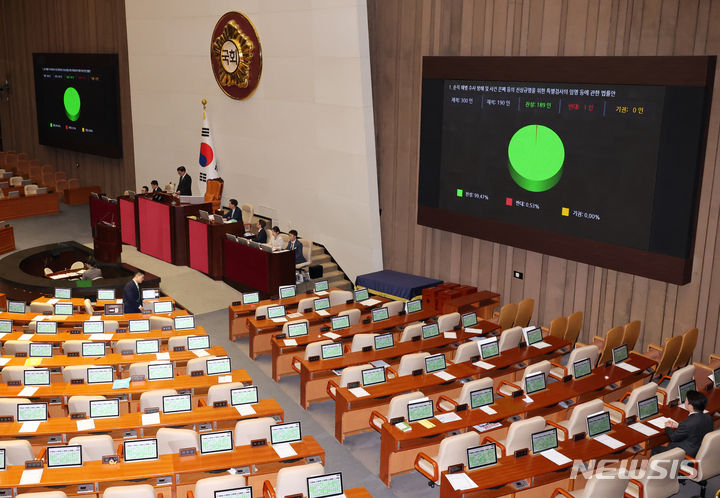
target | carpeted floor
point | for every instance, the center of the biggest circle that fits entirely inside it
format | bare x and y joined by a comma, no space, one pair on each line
208,299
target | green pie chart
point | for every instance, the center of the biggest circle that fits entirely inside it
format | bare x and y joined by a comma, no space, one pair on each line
71,101
535,158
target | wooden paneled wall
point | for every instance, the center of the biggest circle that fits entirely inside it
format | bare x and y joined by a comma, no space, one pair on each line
80,26
402,31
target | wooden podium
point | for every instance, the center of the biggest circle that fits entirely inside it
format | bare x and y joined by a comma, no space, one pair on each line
205,245
107,243
262,270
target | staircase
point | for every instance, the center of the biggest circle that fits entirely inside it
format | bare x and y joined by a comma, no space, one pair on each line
331,272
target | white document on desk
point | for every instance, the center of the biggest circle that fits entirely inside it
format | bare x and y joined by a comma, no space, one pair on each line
643,429
556,457
460,481
331,335
541,345
25,337
4,361
225,379
200,352
3,334
85,424
162,356
659,422
31,476
323,313
483,364
38,318
609,441
444,418
359,392
29,426
53,300
101,337
95,318
279,320
290,342
284,450
488,410
627,366
151,418
26,392
370,302
444,375
471,330
321,293
450,335
376,363
294,315
245,410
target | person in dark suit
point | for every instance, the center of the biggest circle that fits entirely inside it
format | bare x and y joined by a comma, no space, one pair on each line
295,245
155,187
144,189
261,237
689,433
185,183
132,301
234,213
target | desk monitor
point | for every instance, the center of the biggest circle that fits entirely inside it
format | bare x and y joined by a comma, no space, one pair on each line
481,456
244,492
250,297
332,350
716,377
582,368
40,350
413,306
147,346
16,307
218,366
384,341
325,486
380,314
13,193
6,326
184,322
61,293
100,375
372,376
164,306
41,190
647,408
160,371
152,293
420,410
435,363
142,325
321,303
36,377
203,215
244,396
198,342
321,286
620,354
275,311
684,388
115,309
533,336
544,440
297,329
32,412
93,327
285,433
489,348
430,330
598,423
340,322
361,295
135,450
469,319
104,408
64,456
286,291
481,397
106,295
2,458
177,403
64,309
46,327
534,383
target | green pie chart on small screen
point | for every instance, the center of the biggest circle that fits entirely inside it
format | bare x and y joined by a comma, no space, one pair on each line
71,101
535,158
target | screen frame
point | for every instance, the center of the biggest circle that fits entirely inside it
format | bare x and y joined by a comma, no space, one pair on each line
487,342
343,318
335,345
425,401
10,303
605,415
254,388
182,318
135,441
17,412
205,434
620,347
470,397
272,441
55,294
256,295
532,439
657,407
55,309
392,340
276,307
362,376
284,287
429,326
162,302
680,389
293,325
89,323
100,367
187,342
55,448
98,298
138,320
36,370
324,283
33,345
243,488
377,311
342,486
494,452
164,364
533,376
575,364
116,403
207,362
433,357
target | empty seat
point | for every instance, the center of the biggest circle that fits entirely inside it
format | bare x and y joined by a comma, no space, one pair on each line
448,321
660,480
43,494
74,346
348,375
134,491
573,327
292,480
507,388
81,404
94,447
465,352
354,315
73,372
315,348
17,451
452,450
576,423
447,404
707,461
77,265
394,307
13,372
304,305
338,297
362,340
410,331
221,392
518,436
524,312
171,441
510,338
8,406
73,183
15,347
252,429
158,322
397,408
41,308
590,352
411,362
154,398
627,406
206,488
612,485
507,315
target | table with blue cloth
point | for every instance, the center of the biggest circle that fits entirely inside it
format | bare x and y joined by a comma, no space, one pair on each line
395,284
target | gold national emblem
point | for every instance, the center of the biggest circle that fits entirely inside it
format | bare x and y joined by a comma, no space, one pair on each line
236,56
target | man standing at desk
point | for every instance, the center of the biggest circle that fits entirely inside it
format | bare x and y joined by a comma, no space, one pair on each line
131,293
234,213
185,184
296,246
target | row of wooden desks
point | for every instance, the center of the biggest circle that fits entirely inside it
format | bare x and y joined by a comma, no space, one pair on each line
108,337
80,302
78,318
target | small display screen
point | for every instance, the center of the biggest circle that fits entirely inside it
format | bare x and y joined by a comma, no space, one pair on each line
533,336
297,329
63,293
286,291
176,403
620,354
104,408
329,351
340,322
481,397
198,342
535,383
325,486
184,322
160,371
372,376
6,326
40,350
321,286
100,375
65,309
93,327
384,341
2,458
43,327
147,346
420,411
244,492
380,314
64,456
544,440
413,306
36,377
275,311
582,368
481,456
142,325
430,330
469,320
162,306
217,366
598,424
684,388
32,412
106,295
434,363
150,293
116,309
285,433
321,303
140,449
250,297
716,377
647,408
244,395
17,307
361,295
489,348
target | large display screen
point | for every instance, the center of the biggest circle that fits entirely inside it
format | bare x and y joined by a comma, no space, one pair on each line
78,102
595,159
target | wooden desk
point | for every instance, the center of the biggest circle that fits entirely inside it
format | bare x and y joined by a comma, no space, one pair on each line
260,331
79,195
32,205
77,319
79,302
126,210
7,239
205,245
482,303
246,266
61,337
398,449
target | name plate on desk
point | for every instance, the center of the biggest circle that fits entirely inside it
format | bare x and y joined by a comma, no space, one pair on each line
179,348
521,453
197,373
20,355
73,355
579,436
77,381
367,349
260,318
366,321
258,442
146,312
517,394
137,378
13,383
461,408
33,464
166,328
153,409
220,404
353,385
127,352
280,336
75,331
455,469
120,331
417,372
78,416
110,459
236,303
7,418
396,420
314,358
187,452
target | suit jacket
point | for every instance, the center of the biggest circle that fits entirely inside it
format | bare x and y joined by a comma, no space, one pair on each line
131,298
234,215
299,258
156,190
185,185
261,237
91,273
690,433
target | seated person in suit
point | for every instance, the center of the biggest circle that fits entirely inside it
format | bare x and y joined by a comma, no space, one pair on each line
144,189
295,245
277,242
132,300
155,187
261,237
689,433
91,271
234,213
185,183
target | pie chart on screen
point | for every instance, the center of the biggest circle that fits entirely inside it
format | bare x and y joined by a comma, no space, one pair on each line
535,158
71,102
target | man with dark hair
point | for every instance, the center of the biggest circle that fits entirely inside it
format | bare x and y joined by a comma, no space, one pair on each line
132,301
185,183
296,246
155,187
234,213
91,271
689,433
144,189
261,237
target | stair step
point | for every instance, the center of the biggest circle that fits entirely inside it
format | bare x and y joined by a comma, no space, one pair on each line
328,267
333,275
317,250
343,285
319,259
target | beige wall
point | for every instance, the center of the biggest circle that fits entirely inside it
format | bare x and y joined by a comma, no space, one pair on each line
401,32
301,149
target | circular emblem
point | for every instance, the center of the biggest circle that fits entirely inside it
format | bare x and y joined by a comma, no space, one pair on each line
236,56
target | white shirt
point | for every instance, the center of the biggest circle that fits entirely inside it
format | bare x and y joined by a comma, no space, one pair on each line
278,243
